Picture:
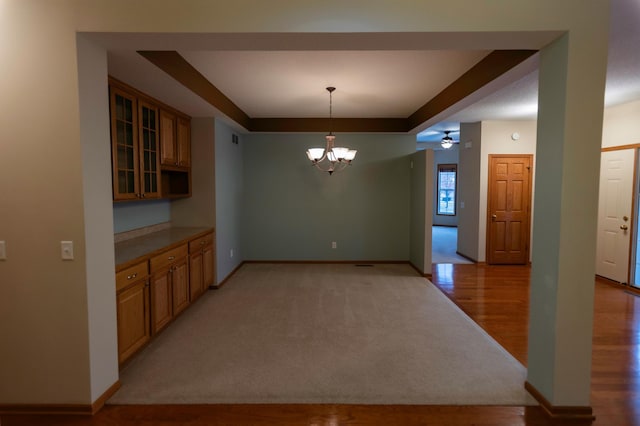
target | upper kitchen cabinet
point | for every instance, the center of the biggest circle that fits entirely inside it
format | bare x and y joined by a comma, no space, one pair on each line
175,139
134,146
146,136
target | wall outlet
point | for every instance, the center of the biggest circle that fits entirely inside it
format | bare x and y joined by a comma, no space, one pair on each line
231,253
334,244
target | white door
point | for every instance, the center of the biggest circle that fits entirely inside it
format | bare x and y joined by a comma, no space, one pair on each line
614,214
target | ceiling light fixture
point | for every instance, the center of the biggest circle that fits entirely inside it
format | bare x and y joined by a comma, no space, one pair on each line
331,158
447,141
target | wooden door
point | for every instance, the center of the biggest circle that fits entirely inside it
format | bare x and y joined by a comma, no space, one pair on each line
208,267
133,319
124,145
161,299
195,275
183,142
149,150
168,155
180,285
614,214
509,209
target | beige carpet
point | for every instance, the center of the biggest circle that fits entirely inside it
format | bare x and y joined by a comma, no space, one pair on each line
279,333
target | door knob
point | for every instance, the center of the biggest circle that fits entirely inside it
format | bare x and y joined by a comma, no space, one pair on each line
624,227
494,216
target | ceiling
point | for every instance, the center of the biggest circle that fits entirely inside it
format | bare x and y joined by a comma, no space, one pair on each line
252,80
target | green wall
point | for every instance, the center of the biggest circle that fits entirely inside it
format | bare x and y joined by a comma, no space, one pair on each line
291,211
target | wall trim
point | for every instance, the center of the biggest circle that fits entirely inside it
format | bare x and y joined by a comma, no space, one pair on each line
102,399
62,409
467,257
559,412
318,262
621,147
345,262
227,278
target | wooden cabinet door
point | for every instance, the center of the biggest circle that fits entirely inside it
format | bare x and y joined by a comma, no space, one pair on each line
208,267
124,145
161,299
180,284
168,154
183,142
149,141
133,319
195,275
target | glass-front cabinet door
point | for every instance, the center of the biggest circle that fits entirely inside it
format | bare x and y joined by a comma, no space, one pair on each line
148,115
124,145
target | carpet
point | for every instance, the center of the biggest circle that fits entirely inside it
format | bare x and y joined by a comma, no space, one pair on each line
309,333
444,243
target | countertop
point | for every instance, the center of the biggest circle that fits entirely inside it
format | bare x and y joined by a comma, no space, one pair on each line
138,249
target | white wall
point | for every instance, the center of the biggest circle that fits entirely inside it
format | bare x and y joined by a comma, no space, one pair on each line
496,139
621,125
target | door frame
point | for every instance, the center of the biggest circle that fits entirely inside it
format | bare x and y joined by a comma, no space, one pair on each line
488,213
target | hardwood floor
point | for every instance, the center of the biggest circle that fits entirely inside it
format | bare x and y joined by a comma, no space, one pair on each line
496,297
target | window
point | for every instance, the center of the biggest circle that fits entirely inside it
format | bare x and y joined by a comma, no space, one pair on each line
447,189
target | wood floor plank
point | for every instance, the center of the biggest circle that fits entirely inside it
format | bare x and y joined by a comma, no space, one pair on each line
497,298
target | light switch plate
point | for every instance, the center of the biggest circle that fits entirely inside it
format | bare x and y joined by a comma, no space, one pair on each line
66,250
3,250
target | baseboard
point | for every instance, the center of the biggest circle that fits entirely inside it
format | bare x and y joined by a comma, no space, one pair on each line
227,278
60,409
331,262
560,412
99,403
467,257
422,274
320,262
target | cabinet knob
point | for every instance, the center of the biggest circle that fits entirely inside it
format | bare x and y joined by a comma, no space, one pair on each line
171,257
202,243
129,277
142,195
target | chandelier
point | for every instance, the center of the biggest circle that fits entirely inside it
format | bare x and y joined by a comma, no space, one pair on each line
331,158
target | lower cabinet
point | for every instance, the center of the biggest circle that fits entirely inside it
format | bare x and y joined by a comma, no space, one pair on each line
132,300
169,286
201,274
151,293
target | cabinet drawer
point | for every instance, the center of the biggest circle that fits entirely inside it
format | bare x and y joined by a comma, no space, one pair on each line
168,257
198,243
130,275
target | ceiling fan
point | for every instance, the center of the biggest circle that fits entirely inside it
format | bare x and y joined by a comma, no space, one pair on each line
447,141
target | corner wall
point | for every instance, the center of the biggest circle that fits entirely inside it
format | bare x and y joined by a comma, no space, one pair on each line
420,253
229,203
469,189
